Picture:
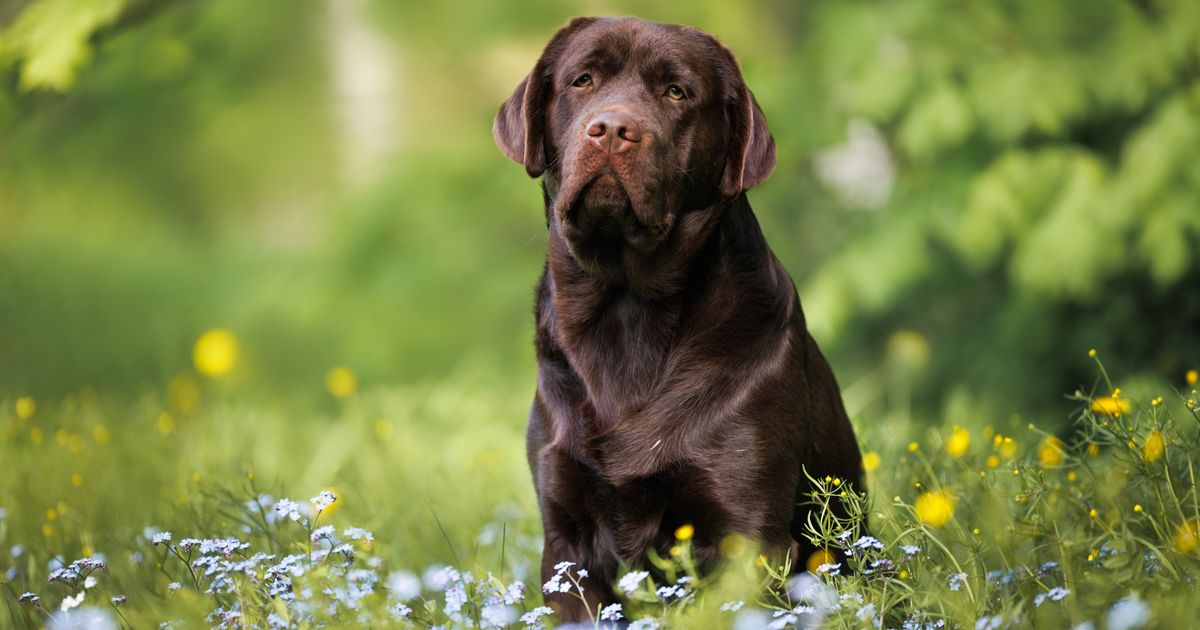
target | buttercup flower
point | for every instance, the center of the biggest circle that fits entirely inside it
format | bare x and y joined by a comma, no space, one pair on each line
341,382
934,508
1186,536
1153,448
25,407
958,442
1111,405
1051,452
216,352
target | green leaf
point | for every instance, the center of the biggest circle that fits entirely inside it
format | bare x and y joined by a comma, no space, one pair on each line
939,119
51,40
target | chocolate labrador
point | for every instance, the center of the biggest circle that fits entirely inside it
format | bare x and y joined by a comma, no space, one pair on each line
677,382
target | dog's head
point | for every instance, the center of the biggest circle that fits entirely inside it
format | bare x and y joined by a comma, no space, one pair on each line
634,124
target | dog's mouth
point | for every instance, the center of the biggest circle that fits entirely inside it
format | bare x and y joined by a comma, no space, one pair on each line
599,214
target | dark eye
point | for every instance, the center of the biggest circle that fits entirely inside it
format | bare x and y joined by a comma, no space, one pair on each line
675,92
584,80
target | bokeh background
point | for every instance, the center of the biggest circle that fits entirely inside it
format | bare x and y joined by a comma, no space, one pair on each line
970,195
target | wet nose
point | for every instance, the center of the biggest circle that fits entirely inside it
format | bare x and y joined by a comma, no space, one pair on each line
614,131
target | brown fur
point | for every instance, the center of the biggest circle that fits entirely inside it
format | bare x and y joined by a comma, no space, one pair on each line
677,382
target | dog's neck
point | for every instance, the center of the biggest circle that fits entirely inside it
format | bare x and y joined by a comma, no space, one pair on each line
617,329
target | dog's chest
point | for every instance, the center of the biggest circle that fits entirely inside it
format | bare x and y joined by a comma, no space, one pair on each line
621,356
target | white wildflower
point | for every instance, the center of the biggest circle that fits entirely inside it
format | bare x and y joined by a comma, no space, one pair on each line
288,508
993,622
403,585
631,581
535,617
1129,613
71,602
322,501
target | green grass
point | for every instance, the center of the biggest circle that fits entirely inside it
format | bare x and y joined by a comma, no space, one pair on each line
969,525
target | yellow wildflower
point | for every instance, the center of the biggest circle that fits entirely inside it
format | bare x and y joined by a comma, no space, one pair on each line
1008,447
685,532
992,461
1153,448
934,508
1137,507
1093,449
216,352
1092,353
1187,536
913,446
909,348
76,480
675,551
1092,513
817,558
959,442
26,405
870,461
1111,405
1051,452
1071,476
341,382
1191,377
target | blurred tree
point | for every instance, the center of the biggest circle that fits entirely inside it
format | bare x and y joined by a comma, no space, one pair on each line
1016,181
1048,187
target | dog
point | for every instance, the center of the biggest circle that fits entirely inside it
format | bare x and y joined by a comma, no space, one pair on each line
677,381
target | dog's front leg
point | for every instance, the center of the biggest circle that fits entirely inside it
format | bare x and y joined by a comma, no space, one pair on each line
575,533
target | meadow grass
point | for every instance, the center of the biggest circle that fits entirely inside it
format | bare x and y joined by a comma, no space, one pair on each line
412,507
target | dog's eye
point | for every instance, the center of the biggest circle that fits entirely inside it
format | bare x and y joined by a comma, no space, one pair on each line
584,80
675,92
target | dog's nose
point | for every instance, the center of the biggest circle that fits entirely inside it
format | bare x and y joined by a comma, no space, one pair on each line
614,131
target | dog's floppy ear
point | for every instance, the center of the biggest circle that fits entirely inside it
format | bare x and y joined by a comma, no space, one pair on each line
520,126
751,155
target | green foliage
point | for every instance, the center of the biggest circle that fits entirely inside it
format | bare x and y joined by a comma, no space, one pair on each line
51,40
